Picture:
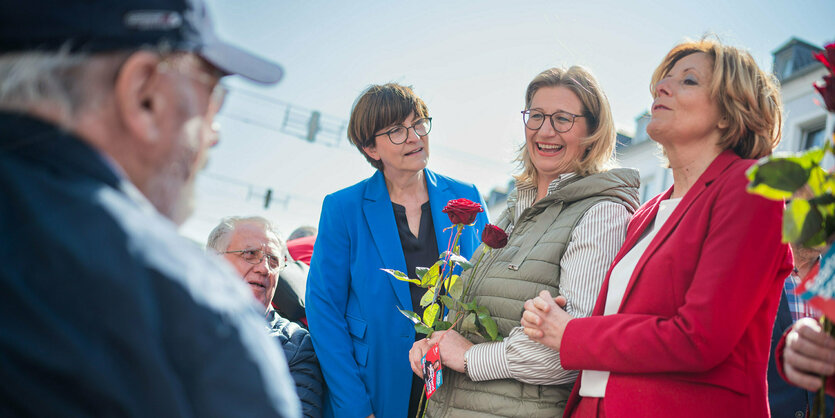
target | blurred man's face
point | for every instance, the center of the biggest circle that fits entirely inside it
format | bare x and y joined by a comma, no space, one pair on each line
193,100
247,239
803,256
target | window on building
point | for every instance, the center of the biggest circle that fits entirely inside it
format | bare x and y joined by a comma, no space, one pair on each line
813,137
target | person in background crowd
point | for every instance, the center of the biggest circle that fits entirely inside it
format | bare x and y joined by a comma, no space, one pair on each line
292,282
254,248
568,216
300,243
303,231
106,117
682,324
391,220
784,399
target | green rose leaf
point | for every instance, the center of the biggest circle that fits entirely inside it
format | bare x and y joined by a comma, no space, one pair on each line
442,325
432,275
823,200
423,329
819,181
461,261
456,289
801,221
428,297
411,315
489,325
481,311
399,275
776,179
468,324
450,303
430,313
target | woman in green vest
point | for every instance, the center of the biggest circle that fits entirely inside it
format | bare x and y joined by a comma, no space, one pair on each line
566,220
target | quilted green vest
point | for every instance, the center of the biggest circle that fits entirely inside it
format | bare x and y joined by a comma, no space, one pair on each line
518,272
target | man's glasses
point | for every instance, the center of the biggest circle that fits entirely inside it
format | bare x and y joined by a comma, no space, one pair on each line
400,133
256,256
561,121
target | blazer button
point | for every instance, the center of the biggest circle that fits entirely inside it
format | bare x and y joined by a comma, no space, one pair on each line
799,414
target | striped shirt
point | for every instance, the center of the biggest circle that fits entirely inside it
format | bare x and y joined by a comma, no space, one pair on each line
592,247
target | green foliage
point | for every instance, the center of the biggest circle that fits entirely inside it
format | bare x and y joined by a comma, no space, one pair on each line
469,323
432,275
430,314
461,261
427,297
421,328
776,179
399,275
443,325
801,222
809,219
411,315
456,289
445,291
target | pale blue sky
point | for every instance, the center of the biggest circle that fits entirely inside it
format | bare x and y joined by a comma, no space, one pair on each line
470,61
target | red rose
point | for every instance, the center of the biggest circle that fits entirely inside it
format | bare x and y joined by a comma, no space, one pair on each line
827,90
462,211
493,236
827,57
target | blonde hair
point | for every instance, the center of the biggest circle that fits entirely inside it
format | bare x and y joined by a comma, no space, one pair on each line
599,144
748,98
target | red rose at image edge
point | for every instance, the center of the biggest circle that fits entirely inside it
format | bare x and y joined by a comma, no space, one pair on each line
462,211
827,90
827,57
493,236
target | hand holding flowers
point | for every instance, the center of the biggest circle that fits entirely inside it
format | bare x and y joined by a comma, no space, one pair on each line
808,220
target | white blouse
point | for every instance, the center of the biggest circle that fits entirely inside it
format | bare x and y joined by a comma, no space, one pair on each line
594,381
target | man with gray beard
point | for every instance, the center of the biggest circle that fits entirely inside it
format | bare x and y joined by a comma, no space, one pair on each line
106,116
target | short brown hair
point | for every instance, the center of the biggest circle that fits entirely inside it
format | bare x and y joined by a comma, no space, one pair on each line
748,98
378,107
600,143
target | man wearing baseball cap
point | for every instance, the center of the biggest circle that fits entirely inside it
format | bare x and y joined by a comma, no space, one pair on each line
106,111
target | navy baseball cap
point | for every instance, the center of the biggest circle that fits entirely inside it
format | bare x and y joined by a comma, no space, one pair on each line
108,25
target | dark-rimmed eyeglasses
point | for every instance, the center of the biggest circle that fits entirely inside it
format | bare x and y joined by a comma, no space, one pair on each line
398,134
257,255
561,121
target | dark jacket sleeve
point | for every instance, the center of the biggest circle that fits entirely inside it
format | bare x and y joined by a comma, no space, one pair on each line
304,366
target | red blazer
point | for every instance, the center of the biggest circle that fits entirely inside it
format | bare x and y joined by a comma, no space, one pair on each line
693,332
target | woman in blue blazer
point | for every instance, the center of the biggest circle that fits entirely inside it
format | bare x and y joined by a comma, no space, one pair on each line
391,220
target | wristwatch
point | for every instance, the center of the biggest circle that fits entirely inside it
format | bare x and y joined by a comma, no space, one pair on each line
466,357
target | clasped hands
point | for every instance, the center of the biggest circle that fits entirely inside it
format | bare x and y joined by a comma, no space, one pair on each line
544,321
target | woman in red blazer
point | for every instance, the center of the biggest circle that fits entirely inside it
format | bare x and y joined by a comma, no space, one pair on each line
683,322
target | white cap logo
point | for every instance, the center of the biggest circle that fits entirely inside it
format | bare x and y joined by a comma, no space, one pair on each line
153,20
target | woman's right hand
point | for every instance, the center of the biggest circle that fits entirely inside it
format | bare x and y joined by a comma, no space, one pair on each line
419,349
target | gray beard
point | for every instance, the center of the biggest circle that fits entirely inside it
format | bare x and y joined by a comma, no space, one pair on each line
171,190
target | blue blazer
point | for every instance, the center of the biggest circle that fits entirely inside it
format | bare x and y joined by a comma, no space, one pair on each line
362,341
